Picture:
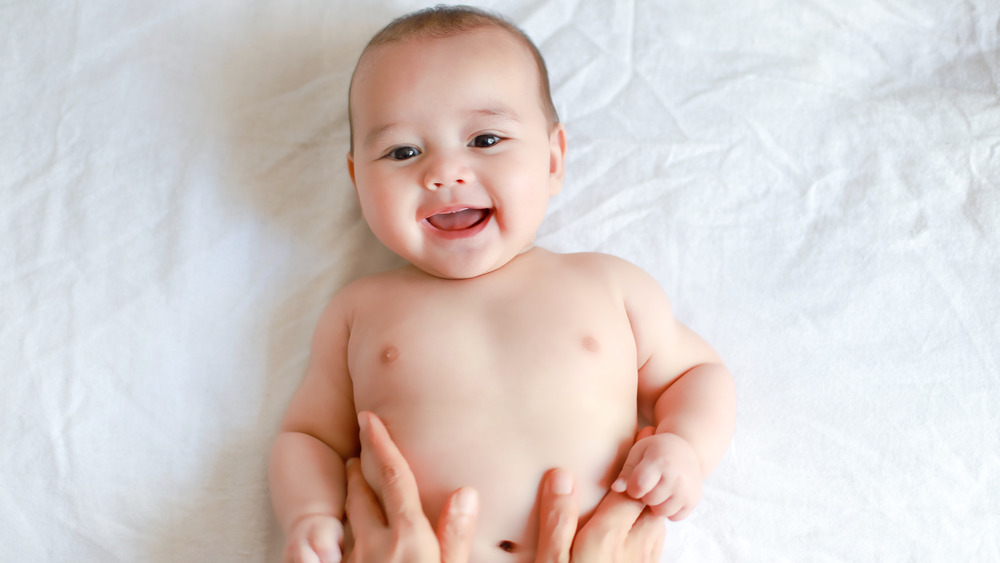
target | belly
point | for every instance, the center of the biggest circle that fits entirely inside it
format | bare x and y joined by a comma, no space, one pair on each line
501,439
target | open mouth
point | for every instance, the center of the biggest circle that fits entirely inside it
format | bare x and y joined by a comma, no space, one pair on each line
459,220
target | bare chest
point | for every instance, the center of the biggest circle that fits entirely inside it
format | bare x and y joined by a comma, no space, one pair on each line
523,345
490,384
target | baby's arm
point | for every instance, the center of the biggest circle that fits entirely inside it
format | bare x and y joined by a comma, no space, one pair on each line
689,394
319,432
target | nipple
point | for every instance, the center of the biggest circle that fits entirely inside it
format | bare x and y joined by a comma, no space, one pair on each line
390,354
590,343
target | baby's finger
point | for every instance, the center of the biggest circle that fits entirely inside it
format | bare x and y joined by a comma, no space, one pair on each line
620,485
660,494
644,479
681,514
668,508
558,514
325,543
305,554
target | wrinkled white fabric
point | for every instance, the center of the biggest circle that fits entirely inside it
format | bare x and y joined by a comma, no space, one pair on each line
816,185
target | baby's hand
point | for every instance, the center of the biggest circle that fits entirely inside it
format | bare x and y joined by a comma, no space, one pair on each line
315,539
662,471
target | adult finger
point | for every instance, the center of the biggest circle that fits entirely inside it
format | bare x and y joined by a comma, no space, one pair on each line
617,511
602,538
457,526
646,432
362,506
645,541
558,513
400,497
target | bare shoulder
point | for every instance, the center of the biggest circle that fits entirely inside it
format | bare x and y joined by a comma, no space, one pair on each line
354,296
632,281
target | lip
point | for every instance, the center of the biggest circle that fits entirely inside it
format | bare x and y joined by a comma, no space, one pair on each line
460,234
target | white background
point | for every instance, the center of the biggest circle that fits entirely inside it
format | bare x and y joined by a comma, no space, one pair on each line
814,183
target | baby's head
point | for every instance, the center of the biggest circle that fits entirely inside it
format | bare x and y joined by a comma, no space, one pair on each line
455,143
447,21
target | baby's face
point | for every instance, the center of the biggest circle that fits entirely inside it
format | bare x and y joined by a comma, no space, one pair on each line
454,159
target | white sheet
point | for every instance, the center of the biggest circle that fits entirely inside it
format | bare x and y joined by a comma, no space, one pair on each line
814,183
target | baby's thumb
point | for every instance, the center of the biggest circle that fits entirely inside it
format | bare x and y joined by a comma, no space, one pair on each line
326,541
633,459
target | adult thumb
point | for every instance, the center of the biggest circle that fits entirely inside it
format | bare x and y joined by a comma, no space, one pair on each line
457,525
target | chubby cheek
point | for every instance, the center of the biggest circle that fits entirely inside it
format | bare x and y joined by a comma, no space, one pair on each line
528,194
378,213
388,215
376,205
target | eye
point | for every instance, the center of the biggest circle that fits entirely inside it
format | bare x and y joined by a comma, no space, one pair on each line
402,153
485,140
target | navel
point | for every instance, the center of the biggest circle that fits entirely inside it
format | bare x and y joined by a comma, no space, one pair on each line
590,343
389,354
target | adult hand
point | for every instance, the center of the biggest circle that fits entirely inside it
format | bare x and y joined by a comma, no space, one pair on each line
621,530
398,531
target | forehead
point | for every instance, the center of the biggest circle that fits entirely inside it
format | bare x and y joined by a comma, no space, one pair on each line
473,61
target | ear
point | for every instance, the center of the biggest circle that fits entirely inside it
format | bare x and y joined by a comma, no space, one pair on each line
557,158
350,170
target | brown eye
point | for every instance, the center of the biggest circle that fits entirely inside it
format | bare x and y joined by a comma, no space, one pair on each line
485,141
403,153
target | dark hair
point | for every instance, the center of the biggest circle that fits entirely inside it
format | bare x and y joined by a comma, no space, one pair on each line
446,21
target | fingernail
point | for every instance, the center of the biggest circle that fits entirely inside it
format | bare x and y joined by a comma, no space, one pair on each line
363,420
351,461
619,485
562,482
466,501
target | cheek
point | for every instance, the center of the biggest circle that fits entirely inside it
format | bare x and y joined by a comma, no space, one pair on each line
373,192
521,170
379,209
532,176
387,209
526,190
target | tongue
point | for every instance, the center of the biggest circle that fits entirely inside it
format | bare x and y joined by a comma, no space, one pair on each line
458,220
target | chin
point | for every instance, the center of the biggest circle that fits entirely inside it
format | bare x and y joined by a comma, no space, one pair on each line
458,272
460,269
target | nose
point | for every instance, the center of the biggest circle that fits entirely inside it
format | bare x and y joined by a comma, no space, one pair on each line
445,170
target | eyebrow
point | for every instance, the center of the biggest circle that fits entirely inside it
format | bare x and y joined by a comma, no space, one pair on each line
375,135
500,111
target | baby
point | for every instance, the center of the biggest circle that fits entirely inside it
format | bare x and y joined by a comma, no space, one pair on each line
489,360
